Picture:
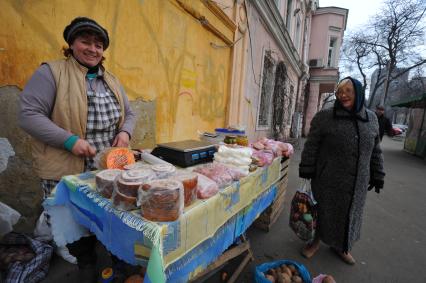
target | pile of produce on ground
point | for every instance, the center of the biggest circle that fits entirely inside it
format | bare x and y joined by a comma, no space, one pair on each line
286,273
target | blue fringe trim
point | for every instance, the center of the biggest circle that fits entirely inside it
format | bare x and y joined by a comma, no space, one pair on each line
150,230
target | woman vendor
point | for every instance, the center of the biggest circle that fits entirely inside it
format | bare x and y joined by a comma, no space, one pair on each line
73,108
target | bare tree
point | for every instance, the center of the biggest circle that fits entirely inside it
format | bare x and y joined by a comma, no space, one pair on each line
388,44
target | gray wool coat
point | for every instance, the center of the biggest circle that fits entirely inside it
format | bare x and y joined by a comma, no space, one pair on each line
342,153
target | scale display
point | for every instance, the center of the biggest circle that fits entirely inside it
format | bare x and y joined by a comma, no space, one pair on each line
185,153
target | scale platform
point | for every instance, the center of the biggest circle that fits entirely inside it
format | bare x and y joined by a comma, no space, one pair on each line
185,153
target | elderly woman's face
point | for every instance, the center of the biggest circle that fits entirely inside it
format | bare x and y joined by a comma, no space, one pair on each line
346,95
87,50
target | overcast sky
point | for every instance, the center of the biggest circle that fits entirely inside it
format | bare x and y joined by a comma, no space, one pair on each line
360,11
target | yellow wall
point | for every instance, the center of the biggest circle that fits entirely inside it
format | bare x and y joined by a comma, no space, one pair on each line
159,51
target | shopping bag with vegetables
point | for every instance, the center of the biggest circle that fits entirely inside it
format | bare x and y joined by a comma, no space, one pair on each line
303,213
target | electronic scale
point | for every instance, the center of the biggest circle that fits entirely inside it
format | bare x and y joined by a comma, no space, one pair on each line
185,153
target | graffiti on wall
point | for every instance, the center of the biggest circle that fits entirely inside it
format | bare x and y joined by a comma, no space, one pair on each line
158,51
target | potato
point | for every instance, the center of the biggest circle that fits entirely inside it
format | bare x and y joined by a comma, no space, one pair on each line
296,273
273,273
278,269
287,271
296,279
286,277
270,278
292,268
280,278
328,279
282,267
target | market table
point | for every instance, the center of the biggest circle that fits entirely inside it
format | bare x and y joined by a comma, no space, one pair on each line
172,251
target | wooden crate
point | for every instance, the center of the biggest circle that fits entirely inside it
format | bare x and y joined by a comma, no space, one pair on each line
268,217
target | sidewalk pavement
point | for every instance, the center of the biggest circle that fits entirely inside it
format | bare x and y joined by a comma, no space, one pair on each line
392,247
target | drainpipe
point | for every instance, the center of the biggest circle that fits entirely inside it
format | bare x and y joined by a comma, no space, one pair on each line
300,79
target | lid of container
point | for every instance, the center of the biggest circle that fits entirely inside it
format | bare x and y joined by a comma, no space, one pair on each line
229,131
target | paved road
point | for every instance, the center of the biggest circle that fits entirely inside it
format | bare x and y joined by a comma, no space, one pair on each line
392,247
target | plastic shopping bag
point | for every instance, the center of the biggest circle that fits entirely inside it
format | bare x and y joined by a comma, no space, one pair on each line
303,213
8,218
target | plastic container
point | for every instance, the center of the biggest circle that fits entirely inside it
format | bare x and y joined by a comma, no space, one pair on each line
224,132
107,275
217,139
242,140
230,139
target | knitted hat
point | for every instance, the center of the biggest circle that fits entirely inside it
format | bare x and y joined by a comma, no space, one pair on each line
81,24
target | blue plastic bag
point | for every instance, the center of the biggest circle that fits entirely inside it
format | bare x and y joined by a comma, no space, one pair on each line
261,269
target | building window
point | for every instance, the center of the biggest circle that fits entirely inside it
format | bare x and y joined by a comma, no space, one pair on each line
297,35
268,78
288,14
332,52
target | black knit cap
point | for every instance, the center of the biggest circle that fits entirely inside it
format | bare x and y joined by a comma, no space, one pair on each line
81,24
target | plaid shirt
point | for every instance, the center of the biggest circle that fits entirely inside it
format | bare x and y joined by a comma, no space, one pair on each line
34,270
103,115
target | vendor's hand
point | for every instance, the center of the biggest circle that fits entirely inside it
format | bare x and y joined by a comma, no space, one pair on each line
83,148
121,140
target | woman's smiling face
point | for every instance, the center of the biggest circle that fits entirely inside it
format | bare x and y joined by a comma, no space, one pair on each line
346,94
88,50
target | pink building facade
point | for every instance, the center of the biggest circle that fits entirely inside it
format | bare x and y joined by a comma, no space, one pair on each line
275,68
327,30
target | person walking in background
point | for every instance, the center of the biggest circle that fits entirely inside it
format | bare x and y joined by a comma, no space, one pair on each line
343,158
385,124
73,108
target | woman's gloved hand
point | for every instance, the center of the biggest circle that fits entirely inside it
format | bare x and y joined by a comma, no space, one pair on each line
377,184
305,175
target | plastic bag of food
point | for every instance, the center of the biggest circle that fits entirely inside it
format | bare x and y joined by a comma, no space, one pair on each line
161,200
273,146
137,165
290,150
114,158
217,172
8,218
263,157
232,160
130,181
164,171
206,187
122,201
105,181
238,171
189,181
236,152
